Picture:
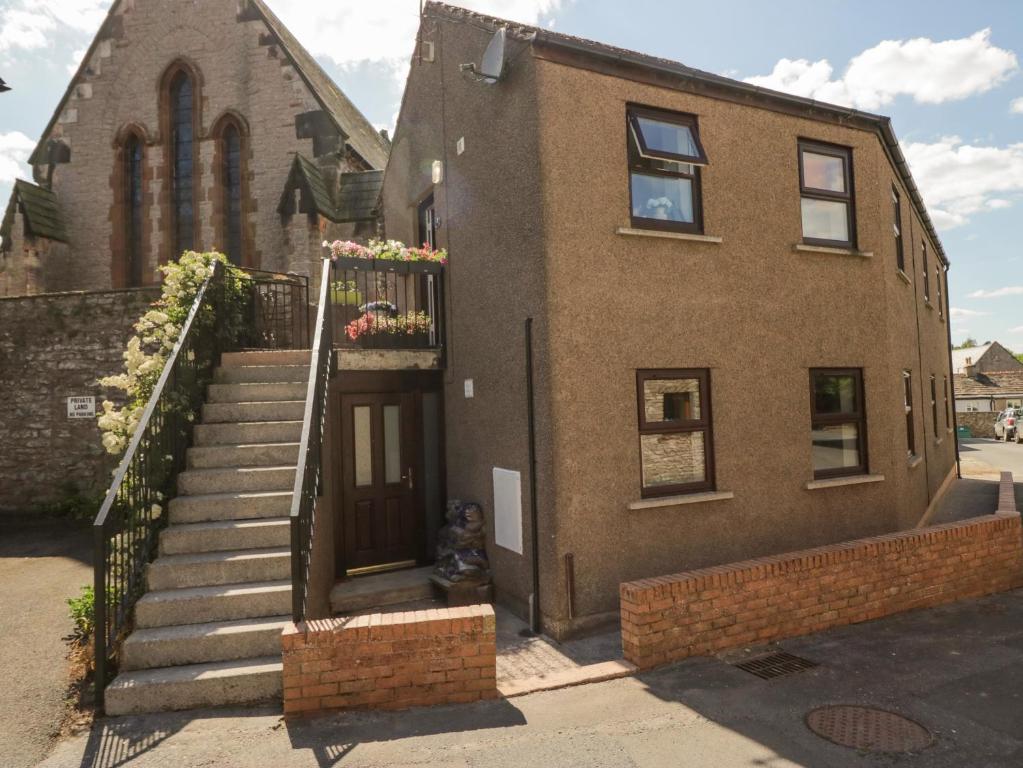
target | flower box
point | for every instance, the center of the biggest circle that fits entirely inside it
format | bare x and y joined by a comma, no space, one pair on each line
391,265
425,267
346,263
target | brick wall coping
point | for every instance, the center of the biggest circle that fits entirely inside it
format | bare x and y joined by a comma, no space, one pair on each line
379,626
1007,495
80,294
804,560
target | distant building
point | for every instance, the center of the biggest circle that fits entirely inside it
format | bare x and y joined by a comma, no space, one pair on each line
989,392
983,359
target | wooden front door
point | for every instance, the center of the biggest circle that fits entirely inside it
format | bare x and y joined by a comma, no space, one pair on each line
379,450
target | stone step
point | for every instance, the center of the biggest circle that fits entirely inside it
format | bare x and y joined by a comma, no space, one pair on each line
249,433
266,357
234,413
202,643
381,590
245,681
254,455
205,569
261,374
199,605
234,479
229,506
256,393
225,535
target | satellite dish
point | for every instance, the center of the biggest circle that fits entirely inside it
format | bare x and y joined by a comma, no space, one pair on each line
492,66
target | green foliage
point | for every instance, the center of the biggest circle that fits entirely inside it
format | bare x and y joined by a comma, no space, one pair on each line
83,612
968,343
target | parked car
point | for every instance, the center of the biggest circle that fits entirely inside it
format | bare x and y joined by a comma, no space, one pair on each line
1008,425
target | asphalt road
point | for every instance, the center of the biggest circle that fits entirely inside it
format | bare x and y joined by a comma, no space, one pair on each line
42,563
1007,457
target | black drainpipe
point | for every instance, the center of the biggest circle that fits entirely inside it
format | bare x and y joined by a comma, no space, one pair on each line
534,615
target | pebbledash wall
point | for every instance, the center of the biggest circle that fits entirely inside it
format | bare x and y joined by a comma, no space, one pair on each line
391,660
52,347
703,612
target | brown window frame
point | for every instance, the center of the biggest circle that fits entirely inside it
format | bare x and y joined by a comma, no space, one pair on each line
704,424
939,298
813,193
907,385
900,249
927,273
645,161
948,404
934,405
837,419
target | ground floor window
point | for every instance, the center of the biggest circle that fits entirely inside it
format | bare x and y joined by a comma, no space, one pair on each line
907,385
838,422
675,434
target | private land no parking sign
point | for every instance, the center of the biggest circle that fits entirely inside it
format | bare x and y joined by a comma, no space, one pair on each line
81,407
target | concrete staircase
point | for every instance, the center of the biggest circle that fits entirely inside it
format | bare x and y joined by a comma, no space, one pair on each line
208,631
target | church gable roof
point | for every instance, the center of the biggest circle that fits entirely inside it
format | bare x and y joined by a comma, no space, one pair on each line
356,200
40,209
359,196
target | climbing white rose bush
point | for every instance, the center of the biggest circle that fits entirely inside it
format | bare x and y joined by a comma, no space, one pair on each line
156,333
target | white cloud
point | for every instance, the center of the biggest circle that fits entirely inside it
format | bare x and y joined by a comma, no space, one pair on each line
382,30
955,312
931,72
32,24
1017,329
1016,106
997,293
15,148
957,180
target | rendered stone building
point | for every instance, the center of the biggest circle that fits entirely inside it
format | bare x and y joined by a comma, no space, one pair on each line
182,130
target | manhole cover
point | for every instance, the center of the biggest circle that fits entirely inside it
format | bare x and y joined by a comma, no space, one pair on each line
775,665
868,729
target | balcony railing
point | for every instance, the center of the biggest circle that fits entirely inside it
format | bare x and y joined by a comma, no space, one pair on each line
387,304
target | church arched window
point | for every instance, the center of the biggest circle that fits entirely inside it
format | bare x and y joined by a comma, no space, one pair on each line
133,202
182,149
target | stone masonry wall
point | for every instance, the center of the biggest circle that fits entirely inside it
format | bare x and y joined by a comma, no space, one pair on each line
699,613
53,347
391,660
981,423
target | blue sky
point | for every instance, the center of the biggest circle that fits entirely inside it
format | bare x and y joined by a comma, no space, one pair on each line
946,72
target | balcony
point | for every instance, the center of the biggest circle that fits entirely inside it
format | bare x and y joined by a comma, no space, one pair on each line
381,306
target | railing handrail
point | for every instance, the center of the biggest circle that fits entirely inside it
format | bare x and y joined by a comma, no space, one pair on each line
313,410
147,414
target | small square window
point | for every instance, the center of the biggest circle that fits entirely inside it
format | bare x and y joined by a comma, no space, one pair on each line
825,184
838,422
675,437
665,155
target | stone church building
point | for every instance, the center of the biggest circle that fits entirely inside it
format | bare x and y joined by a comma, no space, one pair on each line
190,125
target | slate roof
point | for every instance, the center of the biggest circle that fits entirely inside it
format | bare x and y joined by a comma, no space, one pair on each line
960,356
674,74
359,196
41,211
994,384
356,200
359,132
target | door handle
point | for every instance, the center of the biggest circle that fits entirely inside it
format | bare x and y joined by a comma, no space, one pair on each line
411,484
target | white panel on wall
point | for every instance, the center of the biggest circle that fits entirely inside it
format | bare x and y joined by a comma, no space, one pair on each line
508,509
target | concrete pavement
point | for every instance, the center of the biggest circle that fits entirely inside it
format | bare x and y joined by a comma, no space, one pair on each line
957,670
42,563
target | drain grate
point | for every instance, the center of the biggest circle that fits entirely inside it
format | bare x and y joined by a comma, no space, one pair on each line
868,729
775,665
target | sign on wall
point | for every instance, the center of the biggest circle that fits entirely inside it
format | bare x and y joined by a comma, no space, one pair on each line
81,407
508,509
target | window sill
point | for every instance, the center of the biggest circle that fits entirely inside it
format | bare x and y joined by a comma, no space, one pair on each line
939,440
837,482
667,235
927,303
903,277
915,462
804,248
677,501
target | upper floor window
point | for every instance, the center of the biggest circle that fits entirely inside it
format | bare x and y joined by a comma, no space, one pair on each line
934,405
948,403
133,200
182,135
665,155
675,436
900,256
231,152
825,185
907,389
937,285
927,272
838,422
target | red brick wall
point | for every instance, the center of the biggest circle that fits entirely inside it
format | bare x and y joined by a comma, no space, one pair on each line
391,660
702,612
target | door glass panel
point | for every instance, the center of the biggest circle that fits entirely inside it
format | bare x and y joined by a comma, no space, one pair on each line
392,444
363,446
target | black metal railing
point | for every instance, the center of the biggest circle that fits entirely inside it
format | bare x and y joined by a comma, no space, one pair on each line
232,310
125,530
387,304
309,478
277,311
